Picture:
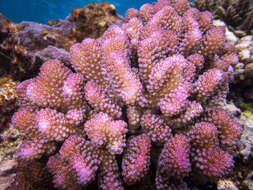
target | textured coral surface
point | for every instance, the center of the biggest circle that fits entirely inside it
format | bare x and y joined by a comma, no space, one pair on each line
141,102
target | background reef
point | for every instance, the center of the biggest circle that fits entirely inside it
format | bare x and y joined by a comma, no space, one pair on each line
49,10
140,105
24,46
236,13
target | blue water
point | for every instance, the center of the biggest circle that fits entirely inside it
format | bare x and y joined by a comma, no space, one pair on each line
44,10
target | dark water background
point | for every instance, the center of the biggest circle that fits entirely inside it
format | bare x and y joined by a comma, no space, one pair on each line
43,10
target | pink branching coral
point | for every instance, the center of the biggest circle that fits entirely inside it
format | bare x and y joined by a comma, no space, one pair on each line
174,162
213,162
99,101
143,98
206,153
156,128
76,163
174,158
108,176
136,159
228,129
102,130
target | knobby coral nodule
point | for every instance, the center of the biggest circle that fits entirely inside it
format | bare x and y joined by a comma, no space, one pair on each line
153,83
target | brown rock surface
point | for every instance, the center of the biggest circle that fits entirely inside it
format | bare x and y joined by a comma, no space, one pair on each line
7,173
92,20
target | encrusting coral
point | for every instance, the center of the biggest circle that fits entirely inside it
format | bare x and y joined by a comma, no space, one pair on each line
154,83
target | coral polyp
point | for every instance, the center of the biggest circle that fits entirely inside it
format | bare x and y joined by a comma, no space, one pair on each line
154,84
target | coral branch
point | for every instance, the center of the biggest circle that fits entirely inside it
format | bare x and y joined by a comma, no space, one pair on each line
136,159
156,128
99,101
102,130
174,158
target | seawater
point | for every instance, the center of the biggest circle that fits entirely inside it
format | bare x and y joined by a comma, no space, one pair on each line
43,10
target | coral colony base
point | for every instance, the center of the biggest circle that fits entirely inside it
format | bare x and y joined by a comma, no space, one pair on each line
153,84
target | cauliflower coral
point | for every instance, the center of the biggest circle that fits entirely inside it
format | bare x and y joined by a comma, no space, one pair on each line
144,93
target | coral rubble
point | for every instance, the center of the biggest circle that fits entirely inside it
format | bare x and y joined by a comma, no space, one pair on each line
8,97
143,98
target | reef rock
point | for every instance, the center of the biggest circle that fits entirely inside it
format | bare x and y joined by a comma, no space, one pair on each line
22,44
7,100
236,13
226,185
7,174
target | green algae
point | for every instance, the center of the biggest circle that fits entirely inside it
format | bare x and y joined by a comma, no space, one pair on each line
247,109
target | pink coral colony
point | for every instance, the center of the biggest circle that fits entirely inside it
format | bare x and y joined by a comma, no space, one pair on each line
144,93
